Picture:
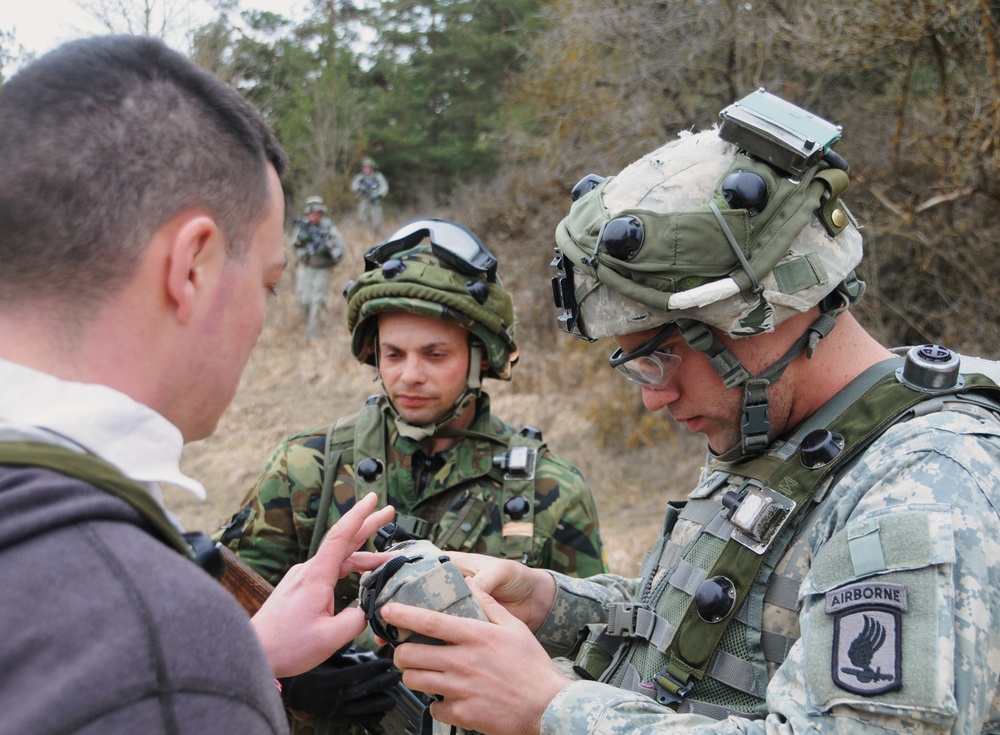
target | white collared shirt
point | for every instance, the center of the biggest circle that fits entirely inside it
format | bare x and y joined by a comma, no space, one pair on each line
36,406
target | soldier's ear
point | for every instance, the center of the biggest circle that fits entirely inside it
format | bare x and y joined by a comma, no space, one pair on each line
194,247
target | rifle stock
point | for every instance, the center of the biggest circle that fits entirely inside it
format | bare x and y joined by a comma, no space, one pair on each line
251,590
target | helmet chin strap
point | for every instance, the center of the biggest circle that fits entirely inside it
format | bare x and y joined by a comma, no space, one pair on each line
755,424
473,387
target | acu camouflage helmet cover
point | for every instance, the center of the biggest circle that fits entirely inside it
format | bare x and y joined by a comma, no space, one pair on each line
732,267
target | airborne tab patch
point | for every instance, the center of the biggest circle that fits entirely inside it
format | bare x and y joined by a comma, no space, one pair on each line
867,636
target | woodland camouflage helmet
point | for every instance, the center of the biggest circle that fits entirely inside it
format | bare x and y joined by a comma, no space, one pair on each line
438,269
701,232
314,204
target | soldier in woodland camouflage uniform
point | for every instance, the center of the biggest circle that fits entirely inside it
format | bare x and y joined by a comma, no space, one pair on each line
836,569
430,446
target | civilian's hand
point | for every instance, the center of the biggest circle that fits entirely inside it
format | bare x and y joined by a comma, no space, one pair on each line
296,625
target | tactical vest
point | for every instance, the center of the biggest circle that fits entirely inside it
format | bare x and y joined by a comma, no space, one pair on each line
363,445
196,546
692,638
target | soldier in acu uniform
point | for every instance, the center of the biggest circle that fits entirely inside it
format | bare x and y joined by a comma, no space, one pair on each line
370,187
836,567
432,316
318,247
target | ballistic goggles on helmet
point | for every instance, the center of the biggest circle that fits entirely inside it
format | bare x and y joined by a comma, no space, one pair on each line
649,366
451,243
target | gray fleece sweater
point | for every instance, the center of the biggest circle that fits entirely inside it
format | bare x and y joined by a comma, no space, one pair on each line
107,630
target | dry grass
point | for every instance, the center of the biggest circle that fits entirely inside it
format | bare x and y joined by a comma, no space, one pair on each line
634,461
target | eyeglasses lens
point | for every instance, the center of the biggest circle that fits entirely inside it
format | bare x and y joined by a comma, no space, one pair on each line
650,371
649,365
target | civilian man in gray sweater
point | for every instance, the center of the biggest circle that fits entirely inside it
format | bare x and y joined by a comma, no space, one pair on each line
140,234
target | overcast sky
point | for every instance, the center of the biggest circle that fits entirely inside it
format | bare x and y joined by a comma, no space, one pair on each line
41,25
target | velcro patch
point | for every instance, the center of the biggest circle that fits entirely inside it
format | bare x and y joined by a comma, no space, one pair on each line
867,636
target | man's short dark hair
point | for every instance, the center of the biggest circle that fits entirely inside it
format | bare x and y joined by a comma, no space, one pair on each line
103,141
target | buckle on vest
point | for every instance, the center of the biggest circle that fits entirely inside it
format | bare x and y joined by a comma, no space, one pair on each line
622,618
758,514
670,691
416,527
518,463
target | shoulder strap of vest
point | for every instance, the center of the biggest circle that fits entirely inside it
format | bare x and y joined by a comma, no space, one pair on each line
369,443
516,469
859,415
341,447
518,502
99,474
331,461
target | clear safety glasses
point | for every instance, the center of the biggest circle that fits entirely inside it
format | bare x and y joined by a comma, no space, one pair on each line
453,244
648,366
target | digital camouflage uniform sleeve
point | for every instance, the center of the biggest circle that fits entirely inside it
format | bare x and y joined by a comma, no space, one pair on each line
566,520
337,245
578,603
900,614
299,240
276,527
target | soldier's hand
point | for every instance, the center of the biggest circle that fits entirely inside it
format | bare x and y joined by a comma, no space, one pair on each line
482,663
526,593
344,688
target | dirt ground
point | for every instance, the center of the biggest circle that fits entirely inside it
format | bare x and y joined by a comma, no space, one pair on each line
291,385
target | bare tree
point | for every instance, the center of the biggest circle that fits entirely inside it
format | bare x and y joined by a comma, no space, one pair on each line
160,18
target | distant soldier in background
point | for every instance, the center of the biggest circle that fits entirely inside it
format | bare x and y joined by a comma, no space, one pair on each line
370,187
318,247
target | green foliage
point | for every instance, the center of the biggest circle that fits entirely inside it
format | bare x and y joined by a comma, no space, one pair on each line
915,86
516,101
304,79
439,72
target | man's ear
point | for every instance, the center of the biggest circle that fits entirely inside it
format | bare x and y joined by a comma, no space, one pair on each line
192,242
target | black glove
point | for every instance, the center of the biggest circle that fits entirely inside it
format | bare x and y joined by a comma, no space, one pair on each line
351,686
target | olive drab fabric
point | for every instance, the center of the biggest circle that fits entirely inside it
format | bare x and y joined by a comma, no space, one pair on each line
705,666
101,475
453,499
361,440
840,577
